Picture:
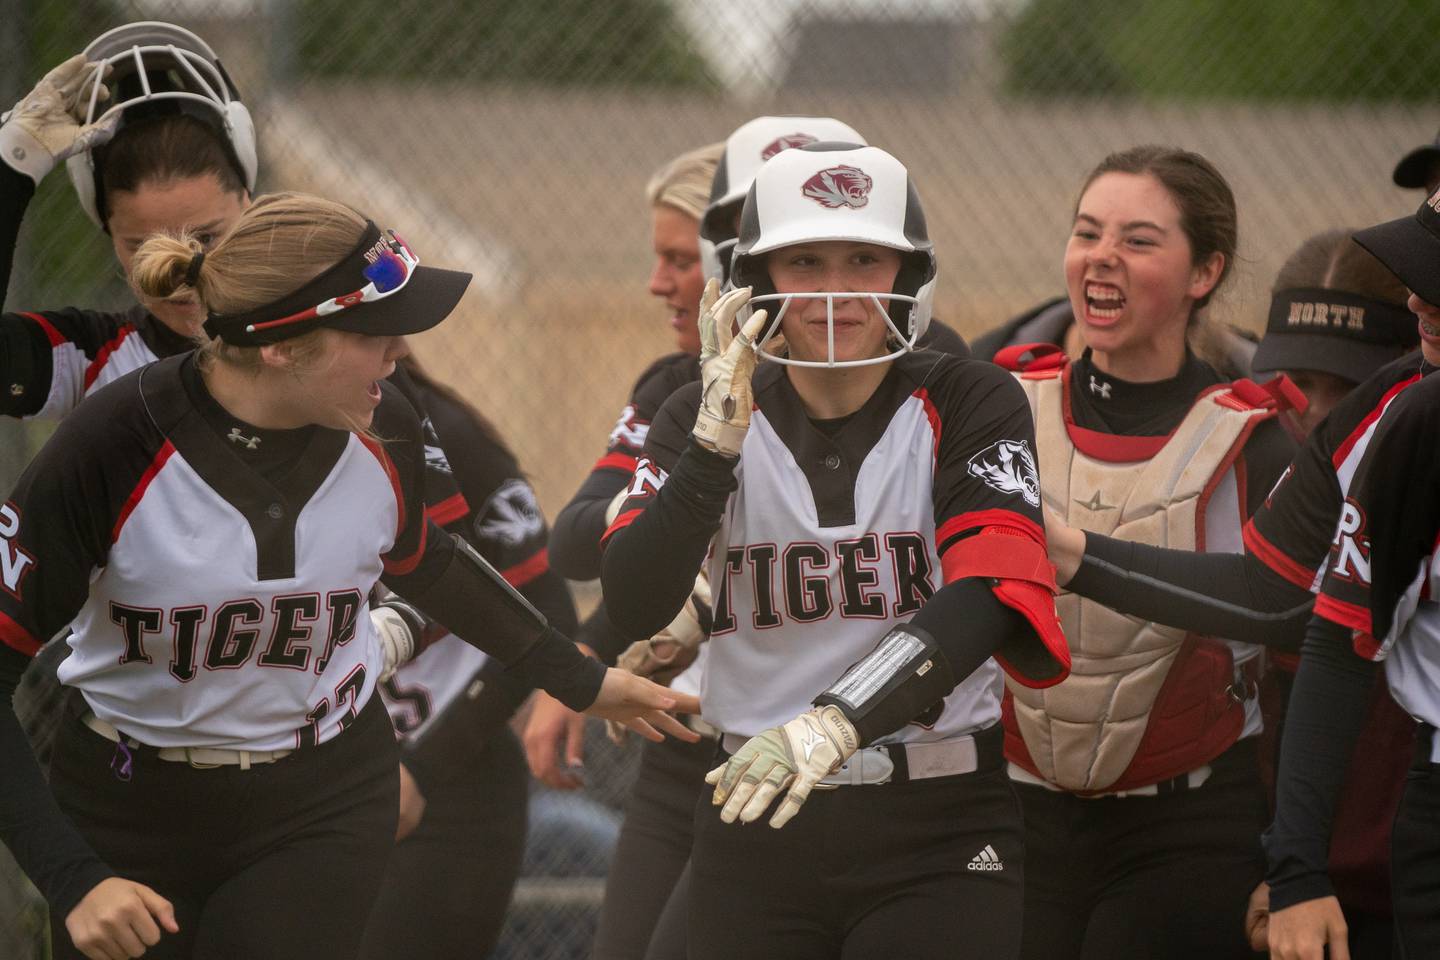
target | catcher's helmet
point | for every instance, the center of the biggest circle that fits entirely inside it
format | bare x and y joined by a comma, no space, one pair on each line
746,151
838,191
159,68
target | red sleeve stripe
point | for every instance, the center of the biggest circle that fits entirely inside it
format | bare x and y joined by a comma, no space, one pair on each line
1342,453
621,522
393,476
933,415
133,501
1343,612
103,357
449,510
17,637
407,564
1276,559
989,518
527,570
54,336
616,461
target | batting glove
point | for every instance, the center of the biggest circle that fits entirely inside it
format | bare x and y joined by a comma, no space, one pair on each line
399,627
725,398
794,756
666,655
45,127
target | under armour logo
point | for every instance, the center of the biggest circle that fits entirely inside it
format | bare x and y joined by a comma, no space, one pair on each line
235,436
1101,388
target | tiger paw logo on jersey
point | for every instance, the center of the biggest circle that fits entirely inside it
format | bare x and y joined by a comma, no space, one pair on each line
1008,466
785,143
842,186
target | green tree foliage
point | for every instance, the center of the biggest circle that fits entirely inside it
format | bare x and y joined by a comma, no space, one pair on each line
1340,50
548,42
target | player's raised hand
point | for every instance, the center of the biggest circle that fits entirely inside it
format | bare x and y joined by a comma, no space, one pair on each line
794,756
119,918
644,706
1302,931
725,397
47,126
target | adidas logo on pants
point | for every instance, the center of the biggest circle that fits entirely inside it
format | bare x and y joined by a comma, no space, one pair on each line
986,860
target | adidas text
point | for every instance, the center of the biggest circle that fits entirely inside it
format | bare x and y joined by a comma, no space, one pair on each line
986,861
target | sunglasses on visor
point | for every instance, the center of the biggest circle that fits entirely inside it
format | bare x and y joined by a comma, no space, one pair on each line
389,273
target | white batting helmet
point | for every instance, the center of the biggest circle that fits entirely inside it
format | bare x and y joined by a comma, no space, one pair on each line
168,68
838,191
746,151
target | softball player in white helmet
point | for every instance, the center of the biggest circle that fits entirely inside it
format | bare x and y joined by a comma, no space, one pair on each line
877,543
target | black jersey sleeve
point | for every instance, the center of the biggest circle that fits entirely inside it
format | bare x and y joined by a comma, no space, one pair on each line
676,500
575,543
1389,524
1290,531
988,520
55,531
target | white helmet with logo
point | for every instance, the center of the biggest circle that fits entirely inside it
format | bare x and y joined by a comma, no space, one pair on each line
156,68
746,151
838,191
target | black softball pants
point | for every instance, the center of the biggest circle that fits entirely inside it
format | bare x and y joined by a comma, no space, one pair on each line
281,861
1415,857
651,854
1145,878
892,871
449,882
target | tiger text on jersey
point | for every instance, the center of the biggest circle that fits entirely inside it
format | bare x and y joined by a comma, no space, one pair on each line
873,581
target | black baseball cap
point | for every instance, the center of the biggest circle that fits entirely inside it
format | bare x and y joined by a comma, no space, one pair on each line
378,289
1333,331
1414,168
1410,248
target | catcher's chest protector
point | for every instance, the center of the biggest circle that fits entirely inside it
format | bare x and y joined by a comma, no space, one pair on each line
1143,702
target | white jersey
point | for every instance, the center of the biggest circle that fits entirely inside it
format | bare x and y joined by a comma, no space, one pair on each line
207,608
840,531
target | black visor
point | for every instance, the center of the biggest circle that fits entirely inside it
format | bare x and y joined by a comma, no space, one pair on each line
378,289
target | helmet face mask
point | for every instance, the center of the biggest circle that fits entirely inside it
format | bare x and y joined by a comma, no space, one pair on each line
158,68
837,192
746,151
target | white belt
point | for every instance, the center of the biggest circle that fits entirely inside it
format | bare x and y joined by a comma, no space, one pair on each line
1193,779
198,757
873,765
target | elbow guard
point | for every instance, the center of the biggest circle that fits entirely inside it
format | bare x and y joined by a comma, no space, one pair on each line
475,603
905,675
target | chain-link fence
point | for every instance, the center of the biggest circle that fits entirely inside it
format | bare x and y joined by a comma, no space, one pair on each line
514,140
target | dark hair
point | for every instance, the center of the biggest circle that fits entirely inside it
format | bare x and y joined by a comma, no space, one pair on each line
162,150
1332,261
1207,205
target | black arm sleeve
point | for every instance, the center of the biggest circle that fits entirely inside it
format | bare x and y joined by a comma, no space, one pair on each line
960,627
1231,595
649,566
16,192
1327,710
43,841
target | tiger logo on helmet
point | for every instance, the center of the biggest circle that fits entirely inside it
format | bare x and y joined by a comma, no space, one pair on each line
785,143
842,186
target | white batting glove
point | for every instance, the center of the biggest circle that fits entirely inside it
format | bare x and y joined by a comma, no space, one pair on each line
726,367
397,625
794,756
46,127
665,656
